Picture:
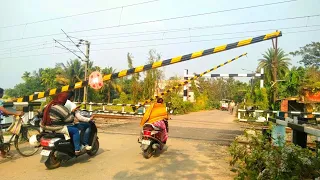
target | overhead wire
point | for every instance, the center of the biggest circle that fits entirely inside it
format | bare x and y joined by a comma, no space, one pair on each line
158,20
181,37
132,47
80,14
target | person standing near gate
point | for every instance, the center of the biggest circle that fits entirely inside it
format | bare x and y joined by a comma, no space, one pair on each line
232,104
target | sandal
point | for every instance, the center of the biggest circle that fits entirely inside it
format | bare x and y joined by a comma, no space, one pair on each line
77,153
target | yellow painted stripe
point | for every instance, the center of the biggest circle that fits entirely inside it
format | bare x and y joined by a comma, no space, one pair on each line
41,95
31,98
176,59
19,99
122,73
244,42
52,92
220,48
65,88
229,60
78,85
107,77
221,65
215,68
268,36
196,54
139,69
156,64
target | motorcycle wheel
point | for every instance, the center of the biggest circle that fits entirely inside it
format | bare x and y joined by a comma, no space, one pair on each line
94,149
148,152
52,162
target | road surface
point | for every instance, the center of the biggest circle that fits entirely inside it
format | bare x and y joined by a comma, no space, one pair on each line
197,149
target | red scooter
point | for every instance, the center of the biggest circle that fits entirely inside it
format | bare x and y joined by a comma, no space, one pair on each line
152,138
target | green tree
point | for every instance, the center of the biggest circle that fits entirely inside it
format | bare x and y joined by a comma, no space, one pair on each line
152,76
282,60
275,65
48,77
310,54
71,72
110,87
135,87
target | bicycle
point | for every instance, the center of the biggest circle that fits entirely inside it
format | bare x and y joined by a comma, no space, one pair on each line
21,132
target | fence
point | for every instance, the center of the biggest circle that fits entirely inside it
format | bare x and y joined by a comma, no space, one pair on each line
300,130
266,114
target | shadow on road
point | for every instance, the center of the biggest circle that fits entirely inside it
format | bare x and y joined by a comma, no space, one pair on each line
170,165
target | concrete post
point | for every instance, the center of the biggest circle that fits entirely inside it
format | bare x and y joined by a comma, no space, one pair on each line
185,87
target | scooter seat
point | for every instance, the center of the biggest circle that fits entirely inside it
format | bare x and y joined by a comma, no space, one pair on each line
153,126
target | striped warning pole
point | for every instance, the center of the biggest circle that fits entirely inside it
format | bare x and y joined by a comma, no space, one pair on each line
185,87
155,65
193,78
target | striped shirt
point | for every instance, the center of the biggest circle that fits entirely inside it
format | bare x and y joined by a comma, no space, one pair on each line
60,115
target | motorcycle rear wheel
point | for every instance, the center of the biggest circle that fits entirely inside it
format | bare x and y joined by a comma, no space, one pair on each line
148,152
52,162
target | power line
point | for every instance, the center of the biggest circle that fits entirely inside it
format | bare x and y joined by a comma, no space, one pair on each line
181,37
80,14
183,42
203,35
159,20
68,49
74,44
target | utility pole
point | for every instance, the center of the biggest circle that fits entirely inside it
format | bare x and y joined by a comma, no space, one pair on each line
275,67
85,92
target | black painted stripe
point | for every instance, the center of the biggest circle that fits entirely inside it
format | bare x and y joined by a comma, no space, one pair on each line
131,71
166,62
207,52
114,75
147,67
186,57
231,46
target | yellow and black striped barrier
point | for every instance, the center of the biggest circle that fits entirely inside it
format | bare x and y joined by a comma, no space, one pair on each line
154,65
193,78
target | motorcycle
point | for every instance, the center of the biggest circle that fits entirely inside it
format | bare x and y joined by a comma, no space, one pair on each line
151,139
56,149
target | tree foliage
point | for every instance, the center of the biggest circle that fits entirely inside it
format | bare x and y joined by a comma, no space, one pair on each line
310,54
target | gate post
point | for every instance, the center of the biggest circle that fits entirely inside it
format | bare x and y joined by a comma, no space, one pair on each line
261,78
185,87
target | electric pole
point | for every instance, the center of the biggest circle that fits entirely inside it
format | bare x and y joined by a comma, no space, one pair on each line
85,92
275,68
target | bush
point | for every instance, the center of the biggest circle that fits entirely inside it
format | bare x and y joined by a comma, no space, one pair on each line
260,160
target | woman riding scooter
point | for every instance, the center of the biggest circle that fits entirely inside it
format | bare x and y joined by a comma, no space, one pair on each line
57,118
157,115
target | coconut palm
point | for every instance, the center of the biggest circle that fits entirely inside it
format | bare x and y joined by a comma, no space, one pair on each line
71,72
282,61
111,84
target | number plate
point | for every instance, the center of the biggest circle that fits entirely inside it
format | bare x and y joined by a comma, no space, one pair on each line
45,152
147,142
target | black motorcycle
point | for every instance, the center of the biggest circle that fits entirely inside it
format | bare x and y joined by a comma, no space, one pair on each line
57,149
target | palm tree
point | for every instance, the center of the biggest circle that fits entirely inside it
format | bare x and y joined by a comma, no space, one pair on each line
282,61
111,84
70,73
282,66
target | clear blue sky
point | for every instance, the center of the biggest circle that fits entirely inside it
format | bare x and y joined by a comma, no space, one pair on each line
12,66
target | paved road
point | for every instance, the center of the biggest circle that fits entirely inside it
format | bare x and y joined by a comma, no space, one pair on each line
196,150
